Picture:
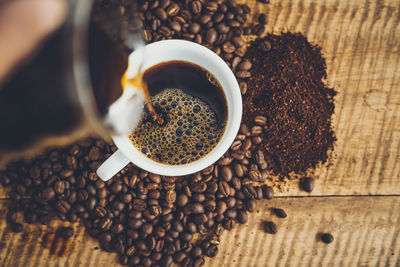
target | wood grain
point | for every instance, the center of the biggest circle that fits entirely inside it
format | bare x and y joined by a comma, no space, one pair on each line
360,41
366,232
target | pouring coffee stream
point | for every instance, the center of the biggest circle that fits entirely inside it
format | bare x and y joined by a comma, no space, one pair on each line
125,113
138,82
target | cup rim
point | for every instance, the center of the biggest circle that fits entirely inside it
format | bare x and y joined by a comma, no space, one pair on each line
234,113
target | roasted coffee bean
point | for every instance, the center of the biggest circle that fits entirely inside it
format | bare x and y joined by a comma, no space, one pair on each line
177,225
105,223
306,184
265,46
179,257
173,10
204,19
221,207
210,205
199,187
191,227
91,189
211,6
139,204
186,236
59,187
196,7
225,161
247,31
156,256
196,208
100,212
147,35
154,194
231,213
65,232
249,191
242,217
174,25
127,198
118,205
198,261
116,188
224,188
279,212
194,28
211,35
327,238
123,260
245,65
236,183
229,224
94,153
91,203
255,175
182,200
63,206
258,29
166,260
260,120
270,227
133,181
48,193
268,192
211,251
238,42
238,171
147,228
200,219
170,196
256,130
251,205
243,87
262,18
83,195
242,74
199,198
226,173
228,47
161,13
134,260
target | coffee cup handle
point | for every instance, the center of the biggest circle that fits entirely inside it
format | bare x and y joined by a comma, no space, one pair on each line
115,163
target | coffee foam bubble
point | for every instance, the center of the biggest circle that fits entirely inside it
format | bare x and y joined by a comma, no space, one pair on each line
191,130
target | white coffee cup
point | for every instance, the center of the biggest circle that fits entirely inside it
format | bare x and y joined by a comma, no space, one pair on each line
180,50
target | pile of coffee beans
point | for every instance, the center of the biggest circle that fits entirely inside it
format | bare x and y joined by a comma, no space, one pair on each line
218,25
147,219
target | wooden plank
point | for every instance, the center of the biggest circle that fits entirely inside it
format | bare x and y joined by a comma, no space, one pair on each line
366,232
360,41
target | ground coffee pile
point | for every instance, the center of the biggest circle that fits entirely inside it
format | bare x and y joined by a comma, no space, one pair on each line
287,88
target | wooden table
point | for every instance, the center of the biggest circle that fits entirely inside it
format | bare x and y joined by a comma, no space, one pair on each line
356,199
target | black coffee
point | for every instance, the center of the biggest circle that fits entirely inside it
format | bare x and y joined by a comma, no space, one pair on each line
194,108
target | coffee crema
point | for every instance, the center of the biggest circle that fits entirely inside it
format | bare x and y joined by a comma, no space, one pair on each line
194,109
